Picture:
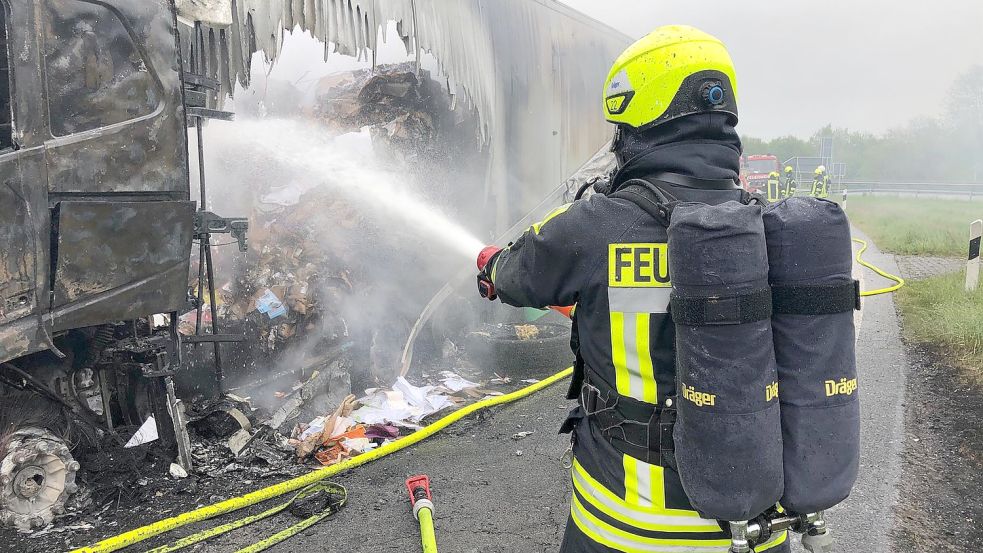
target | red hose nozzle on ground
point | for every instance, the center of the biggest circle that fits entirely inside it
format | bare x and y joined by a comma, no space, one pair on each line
419,488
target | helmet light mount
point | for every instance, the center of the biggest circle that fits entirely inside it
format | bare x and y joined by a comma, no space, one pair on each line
713,93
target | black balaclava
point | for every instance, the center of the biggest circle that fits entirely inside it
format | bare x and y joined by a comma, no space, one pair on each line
700,145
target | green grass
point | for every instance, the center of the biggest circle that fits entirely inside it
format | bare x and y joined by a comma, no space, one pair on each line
939,312
915,226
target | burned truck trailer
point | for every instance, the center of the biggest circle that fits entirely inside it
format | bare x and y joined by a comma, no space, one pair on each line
96,231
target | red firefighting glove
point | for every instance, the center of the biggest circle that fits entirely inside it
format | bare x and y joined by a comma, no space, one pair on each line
485,285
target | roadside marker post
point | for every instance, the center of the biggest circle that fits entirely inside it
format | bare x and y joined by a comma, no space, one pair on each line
843,205
973,263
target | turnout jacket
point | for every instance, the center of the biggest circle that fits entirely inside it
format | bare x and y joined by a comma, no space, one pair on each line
608,256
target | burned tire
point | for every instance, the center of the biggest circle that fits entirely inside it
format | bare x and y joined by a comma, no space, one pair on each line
37,474
520,350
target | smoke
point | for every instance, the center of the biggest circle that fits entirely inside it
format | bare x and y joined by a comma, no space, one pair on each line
348,165
352,228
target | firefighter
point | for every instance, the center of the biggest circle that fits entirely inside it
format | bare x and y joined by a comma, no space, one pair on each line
789,189
673,100
774,186
820,183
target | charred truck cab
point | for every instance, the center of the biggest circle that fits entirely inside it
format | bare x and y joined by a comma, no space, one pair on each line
96,230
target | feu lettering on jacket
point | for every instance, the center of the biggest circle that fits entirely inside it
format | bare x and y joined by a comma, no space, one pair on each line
639,265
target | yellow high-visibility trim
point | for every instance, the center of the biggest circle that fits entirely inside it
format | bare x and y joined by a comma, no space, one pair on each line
536,227
594,489
631,480
616,538
650,391
645,518
619,356
647,482
621,540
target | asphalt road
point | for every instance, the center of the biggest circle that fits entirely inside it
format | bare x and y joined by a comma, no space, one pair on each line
492,498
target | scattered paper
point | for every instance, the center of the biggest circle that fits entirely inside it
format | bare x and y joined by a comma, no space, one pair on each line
270,305
358,445
454,382
145,434
405,405
520,435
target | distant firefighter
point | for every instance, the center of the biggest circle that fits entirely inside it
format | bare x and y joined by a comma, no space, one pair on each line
774,186
789,189
820,183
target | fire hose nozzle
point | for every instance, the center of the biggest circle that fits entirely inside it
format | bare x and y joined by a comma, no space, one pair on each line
419,488
420,497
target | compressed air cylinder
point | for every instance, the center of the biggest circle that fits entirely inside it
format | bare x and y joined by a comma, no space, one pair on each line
728,437
814,296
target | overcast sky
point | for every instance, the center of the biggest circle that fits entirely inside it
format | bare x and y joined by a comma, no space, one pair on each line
863,64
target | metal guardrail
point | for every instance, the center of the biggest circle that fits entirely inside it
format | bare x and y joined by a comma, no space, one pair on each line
966,190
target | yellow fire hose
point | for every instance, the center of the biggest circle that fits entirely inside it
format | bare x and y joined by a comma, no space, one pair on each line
899,282
138,535
422,502
266,543
426,531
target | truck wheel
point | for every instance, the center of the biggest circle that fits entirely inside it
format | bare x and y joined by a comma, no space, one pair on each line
520,350
37,475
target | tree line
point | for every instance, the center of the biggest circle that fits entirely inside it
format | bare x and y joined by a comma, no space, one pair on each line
948,148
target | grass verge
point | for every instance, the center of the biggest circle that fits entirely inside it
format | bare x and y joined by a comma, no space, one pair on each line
938,311
915,226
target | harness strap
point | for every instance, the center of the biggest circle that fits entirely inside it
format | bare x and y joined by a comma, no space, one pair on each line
721,310
816,299
633,427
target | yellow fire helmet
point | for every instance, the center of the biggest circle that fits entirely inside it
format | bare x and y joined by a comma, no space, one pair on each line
674,71
789,169
820,170
773,174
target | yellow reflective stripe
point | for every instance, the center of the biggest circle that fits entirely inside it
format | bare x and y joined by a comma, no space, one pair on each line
621,540
619,356
631,483
650,392
536,227
494,271
631,356
644,484
648,518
